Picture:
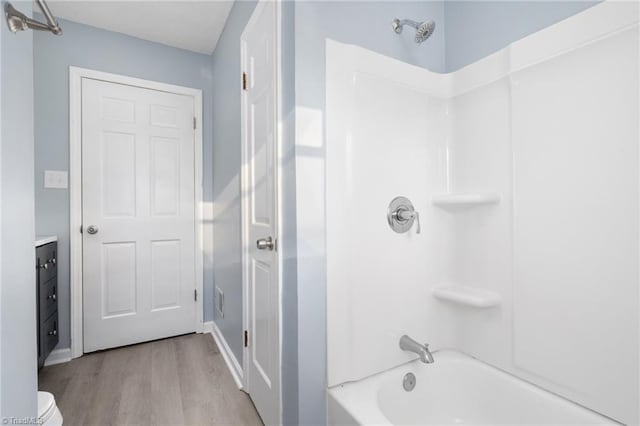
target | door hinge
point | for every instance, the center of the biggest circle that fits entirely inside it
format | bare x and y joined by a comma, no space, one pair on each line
194,123
246,338
195,295
244,81
81,229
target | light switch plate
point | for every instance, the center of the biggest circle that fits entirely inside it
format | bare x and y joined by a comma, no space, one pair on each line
56,179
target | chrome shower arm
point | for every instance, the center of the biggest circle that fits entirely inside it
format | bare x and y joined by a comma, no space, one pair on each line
397,24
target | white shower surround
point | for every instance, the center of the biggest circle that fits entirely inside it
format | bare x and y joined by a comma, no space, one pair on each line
550,125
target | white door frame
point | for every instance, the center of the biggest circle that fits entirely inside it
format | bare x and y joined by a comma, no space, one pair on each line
244,190
75,189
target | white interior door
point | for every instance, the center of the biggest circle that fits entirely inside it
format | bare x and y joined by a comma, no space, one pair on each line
259,138
138,214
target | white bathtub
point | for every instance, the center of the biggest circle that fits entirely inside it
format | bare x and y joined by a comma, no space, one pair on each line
456,389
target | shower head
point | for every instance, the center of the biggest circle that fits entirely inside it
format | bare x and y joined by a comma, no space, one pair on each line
423,29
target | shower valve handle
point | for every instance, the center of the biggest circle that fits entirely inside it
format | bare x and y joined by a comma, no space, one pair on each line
417,215
401,215
405,215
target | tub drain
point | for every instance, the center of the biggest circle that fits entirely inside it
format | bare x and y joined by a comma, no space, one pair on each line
409,382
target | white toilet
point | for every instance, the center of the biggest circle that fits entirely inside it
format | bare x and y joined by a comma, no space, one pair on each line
48,413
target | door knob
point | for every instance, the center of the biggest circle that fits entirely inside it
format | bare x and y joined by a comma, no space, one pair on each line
92,229
265,244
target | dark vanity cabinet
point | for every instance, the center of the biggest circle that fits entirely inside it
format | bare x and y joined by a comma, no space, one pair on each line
47,299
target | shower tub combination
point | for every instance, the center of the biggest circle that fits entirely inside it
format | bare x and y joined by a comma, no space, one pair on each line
521,174
455,390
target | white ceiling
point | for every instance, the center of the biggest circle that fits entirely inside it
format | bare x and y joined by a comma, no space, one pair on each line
190,25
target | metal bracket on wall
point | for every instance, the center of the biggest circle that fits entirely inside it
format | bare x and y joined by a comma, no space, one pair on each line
18,21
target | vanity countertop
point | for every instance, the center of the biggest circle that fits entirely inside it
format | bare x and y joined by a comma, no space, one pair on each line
45,239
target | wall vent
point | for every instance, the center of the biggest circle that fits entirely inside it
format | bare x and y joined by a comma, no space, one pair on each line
220,302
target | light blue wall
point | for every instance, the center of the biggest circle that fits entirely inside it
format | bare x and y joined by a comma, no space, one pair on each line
475,29
366,24
288,244
89,47
18,290
226,174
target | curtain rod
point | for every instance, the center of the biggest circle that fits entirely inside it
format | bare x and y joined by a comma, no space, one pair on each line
18,21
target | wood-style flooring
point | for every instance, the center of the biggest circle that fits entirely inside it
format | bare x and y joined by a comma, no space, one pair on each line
177,381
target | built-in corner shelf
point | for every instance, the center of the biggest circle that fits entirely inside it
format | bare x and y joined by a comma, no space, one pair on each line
467,296
465,200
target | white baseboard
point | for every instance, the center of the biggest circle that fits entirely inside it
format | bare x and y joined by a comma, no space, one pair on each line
207,327
58,356
229,358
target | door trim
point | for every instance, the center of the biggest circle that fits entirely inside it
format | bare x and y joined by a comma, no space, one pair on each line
244,190
75,190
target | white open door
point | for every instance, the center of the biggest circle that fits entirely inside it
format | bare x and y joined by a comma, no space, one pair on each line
259,137
138,213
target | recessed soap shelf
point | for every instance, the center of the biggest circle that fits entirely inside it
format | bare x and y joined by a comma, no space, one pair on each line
467,296
465,200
